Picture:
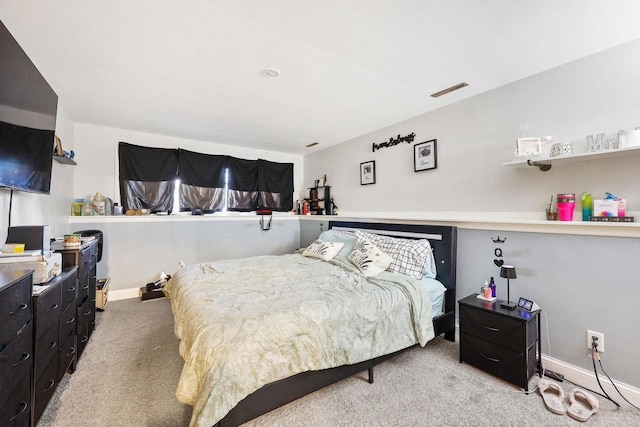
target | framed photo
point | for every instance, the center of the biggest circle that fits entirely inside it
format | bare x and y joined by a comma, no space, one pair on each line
528,146
425,156
368,172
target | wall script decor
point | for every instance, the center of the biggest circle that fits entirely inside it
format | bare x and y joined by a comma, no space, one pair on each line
368,172
395,141
425,156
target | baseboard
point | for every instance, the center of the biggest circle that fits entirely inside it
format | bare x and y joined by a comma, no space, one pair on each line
587,379
123,294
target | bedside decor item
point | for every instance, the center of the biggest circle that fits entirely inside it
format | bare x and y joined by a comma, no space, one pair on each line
508,272
595,145
425,156
561,149
368,172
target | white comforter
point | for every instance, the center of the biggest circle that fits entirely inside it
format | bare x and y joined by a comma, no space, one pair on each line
248,322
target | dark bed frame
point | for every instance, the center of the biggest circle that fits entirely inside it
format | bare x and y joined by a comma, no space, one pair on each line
279,393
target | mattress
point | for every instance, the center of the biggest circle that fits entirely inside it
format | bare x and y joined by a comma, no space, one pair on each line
436,292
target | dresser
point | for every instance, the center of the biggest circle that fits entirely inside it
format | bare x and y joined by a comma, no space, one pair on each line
16,348
54,336
85,258
505,343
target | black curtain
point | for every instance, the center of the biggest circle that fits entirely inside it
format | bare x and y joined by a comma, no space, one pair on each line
147,177
275,185
202,180
243,184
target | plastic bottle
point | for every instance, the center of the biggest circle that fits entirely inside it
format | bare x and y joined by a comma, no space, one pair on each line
492,285
587,206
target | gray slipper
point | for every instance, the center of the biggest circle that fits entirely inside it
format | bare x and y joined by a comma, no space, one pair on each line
583,405
553,396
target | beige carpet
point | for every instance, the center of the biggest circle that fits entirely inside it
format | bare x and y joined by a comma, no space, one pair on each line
128,374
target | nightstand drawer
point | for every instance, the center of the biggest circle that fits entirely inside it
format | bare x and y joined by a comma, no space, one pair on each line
500,330
499,361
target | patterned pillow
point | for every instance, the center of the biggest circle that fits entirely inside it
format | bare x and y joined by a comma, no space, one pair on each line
410,257
323,250
369,259
346,237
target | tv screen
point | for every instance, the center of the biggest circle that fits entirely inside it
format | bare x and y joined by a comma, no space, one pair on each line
28,109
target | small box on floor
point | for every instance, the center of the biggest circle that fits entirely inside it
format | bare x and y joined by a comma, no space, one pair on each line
145,295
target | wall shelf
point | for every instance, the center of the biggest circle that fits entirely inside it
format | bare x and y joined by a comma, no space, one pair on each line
545,163
65,160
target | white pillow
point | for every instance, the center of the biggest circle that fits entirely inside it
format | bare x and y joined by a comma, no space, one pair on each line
370,260
323,250
410,256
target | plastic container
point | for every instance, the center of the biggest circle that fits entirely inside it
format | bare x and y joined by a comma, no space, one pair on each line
76,207
566,205
587,206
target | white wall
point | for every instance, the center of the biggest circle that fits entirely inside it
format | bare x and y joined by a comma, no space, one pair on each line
600,93
52,209
96,151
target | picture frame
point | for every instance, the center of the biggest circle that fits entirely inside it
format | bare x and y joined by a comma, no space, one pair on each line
425,156
368,172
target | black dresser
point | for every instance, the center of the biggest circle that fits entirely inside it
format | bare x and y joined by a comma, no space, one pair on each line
16,348
505,343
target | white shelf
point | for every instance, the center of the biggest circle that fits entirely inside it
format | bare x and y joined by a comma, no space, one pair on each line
537,161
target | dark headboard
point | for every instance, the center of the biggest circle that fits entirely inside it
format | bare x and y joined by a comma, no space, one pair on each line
444,248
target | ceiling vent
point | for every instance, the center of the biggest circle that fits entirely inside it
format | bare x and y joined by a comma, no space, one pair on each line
449,89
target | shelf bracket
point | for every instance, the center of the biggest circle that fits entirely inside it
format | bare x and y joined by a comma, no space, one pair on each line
543,166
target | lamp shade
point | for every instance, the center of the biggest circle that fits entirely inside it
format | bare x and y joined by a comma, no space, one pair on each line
508,272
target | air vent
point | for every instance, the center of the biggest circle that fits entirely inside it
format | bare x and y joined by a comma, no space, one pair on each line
449,89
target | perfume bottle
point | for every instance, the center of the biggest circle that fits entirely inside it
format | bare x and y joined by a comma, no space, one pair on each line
492,285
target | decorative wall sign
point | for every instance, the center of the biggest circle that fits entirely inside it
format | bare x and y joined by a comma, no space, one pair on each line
395,141
368,172
425,156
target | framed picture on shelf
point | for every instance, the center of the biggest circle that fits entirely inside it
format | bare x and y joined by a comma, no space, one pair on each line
425,156
368,172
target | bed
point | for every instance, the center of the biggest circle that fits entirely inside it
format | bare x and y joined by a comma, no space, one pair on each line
260,332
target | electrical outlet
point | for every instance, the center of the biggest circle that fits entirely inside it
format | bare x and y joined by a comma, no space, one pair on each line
599,335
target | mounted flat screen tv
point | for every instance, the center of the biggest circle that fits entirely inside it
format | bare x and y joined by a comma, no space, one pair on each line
28,109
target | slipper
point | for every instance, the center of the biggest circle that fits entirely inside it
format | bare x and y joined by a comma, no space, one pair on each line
583,405
552,395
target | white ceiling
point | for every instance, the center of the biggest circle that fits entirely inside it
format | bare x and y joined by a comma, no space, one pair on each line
191,69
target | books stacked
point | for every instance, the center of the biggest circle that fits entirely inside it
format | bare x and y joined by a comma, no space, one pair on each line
612,218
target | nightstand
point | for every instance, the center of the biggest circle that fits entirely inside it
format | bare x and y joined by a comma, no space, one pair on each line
505,343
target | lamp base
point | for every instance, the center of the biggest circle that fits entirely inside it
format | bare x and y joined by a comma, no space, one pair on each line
508,305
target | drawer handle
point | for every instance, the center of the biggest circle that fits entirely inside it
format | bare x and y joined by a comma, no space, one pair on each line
20,308
49,386
71,289
23,407
84,339
72,352
88,312
490,358
25,357
490,328
53,344
54,306
70,321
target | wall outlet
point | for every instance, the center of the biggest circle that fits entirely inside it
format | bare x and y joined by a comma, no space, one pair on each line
599,335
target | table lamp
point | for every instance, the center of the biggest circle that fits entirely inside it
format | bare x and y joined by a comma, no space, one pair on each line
508,272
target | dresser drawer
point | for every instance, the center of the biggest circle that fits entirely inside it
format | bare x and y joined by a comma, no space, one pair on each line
15,309
47,348
509,365
47,309
87,260
67,321
83,287
69,289
66,355
15,362
16,411
45,386
501,330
